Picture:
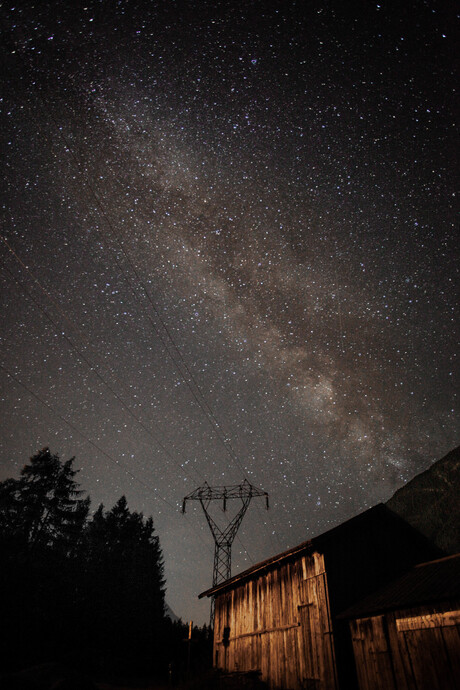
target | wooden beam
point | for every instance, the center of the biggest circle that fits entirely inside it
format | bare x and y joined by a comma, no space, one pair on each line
262,632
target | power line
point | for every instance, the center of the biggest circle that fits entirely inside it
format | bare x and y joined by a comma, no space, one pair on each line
85,359
78,431
179,360
197,394
97,374
109,457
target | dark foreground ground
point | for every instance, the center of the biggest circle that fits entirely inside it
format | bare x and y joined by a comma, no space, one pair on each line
58,677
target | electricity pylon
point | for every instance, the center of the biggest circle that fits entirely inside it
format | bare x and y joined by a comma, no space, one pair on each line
223,538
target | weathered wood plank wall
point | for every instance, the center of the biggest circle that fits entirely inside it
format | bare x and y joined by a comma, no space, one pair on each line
279,614
279,623
410,649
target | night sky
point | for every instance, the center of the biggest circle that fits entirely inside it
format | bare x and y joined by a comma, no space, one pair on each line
228,251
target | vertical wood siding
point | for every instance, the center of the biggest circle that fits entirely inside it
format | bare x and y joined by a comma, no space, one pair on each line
279,623
372,654
414,649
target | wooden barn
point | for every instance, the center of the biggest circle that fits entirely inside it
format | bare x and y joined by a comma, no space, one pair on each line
279,617
406,636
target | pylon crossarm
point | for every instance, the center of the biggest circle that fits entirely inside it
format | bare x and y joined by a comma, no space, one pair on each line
224,493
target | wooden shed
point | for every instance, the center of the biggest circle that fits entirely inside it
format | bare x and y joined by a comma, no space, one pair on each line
406,636
280,616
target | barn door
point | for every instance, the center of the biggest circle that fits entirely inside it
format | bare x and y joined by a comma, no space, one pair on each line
432,642
316,633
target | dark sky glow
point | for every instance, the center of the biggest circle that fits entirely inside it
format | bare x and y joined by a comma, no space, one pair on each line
228,249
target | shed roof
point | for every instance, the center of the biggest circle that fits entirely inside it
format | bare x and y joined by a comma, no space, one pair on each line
435,581
376,515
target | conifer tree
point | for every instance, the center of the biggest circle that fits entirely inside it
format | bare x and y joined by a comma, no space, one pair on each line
42,519
44,507
125,576
73,583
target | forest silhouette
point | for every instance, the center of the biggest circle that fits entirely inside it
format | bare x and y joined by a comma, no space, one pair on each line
80,589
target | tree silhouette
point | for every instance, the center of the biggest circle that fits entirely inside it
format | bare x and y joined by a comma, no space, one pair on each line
42,519
89,590
125,583
44,507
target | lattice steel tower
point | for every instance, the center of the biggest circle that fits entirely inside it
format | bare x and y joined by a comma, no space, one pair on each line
223,538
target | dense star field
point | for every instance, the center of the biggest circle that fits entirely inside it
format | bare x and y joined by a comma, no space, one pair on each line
228,250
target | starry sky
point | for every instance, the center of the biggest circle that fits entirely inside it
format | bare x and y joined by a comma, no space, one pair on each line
228,251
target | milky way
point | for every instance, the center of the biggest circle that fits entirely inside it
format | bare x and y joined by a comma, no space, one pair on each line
229,251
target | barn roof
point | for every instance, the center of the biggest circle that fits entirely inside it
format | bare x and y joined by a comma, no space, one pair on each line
435,581
377,515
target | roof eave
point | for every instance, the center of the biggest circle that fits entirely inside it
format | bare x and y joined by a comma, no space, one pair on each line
258,567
